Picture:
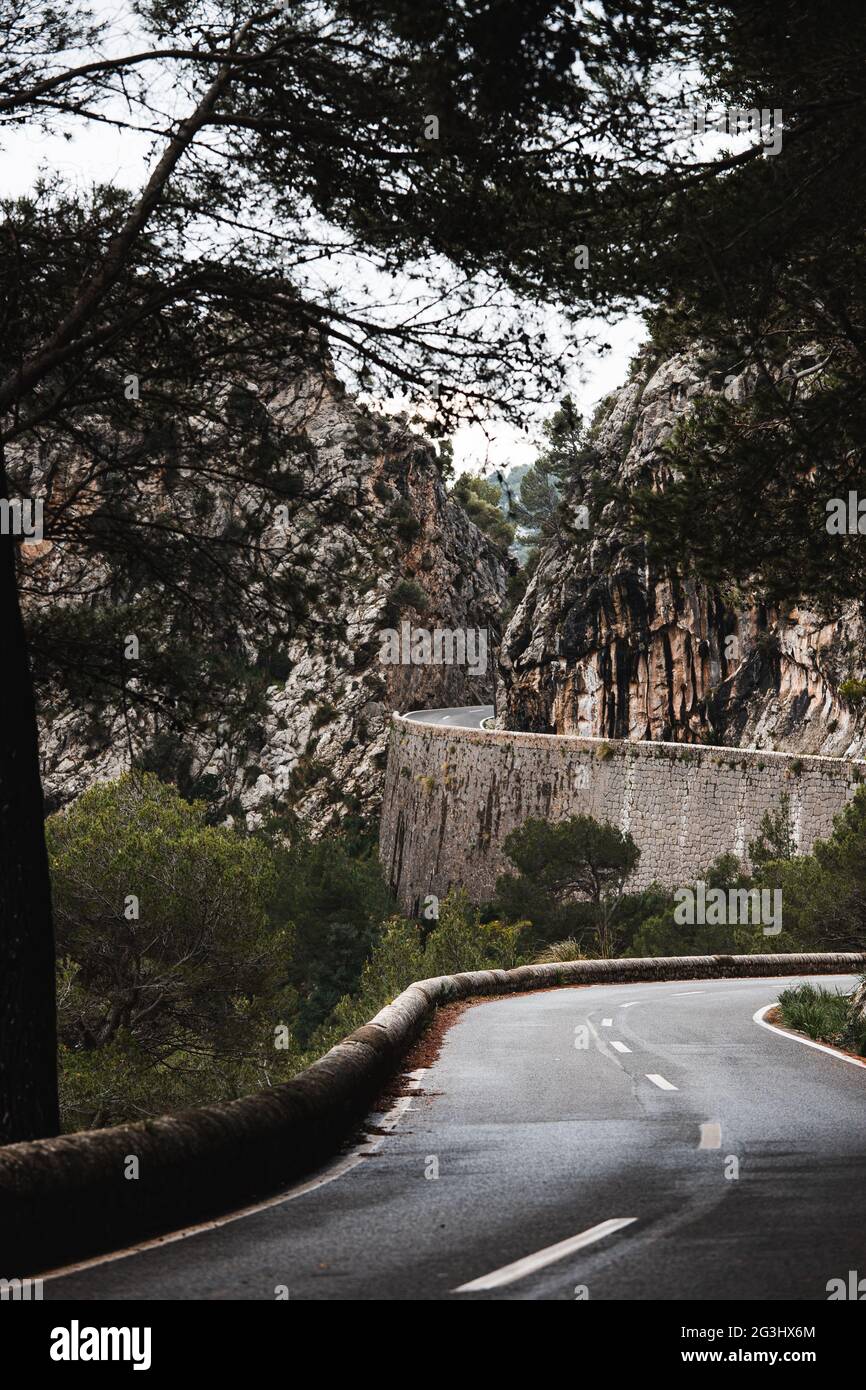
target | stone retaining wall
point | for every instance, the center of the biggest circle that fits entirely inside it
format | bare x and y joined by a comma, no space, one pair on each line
452,795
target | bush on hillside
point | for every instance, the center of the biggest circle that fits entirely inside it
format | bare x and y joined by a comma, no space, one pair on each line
168,965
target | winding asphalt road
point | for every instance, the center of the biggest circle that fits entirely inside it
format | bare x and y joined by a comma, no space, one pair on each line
733,1157
470,717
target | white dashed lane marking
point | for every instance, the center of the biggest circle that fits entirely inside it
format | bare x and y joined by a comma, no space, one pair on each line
519,1269
659,1081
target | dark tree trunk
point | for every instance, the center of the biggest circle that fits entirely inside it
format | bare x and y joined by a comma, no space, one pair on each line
28,1026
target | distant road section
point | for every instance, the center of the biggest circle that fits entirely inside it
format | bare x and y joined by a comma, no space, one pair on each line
470,717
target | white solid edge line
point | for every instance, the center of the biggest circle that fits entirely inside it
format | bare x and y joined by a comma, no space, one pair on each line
678,993
620,1047
328,1174
659,1081
530,1264
758,1017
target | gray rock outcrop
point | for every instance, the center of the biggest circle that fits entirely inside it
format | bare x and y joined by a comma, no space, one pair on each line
608,644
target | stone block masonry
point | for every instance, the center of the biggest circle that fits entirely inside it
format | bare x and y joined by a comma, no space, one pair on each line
452,796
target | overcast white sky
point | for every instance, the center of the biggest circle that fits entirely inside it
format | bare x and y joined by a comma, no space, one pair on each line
97,153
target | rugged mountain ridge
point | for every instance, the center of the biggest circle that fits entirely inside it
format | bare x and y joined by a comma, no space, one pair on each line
399,550
605,643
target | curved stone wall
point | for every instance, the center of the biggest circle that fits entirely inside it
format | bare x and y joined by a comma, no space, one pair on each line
452,795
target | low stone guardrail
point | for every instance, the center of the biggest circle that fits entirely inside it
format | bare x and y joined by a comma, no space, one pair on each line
68,1198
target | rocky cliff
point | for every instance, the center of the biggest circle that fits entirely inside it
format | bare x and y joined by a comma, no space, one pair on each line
394,549
606,643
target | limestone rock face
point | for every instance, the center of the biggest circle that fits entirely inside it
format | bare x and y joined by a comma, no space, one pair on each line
606,644
396,550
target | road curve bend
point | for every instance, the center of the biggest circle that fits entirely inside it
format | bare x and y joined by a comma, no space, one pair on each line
643,1141
465,717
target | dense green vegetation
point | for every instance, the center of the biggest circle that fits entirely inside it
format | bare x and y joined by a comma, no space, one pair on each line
332,903
569,888
168,967
198,963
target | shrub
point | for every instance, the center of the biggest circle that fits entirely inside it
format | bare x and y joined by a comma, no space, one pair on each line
461,941
395,961
406,524
826,890
458,941
408,593
277,663
775,838
561,951
571,869
480,500
853,691
815,1011
166,989
329,905
323,715
383,490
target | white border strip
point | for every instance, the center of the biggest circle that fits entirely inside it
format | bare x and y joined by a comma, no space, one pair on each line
332,1171
798,1037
